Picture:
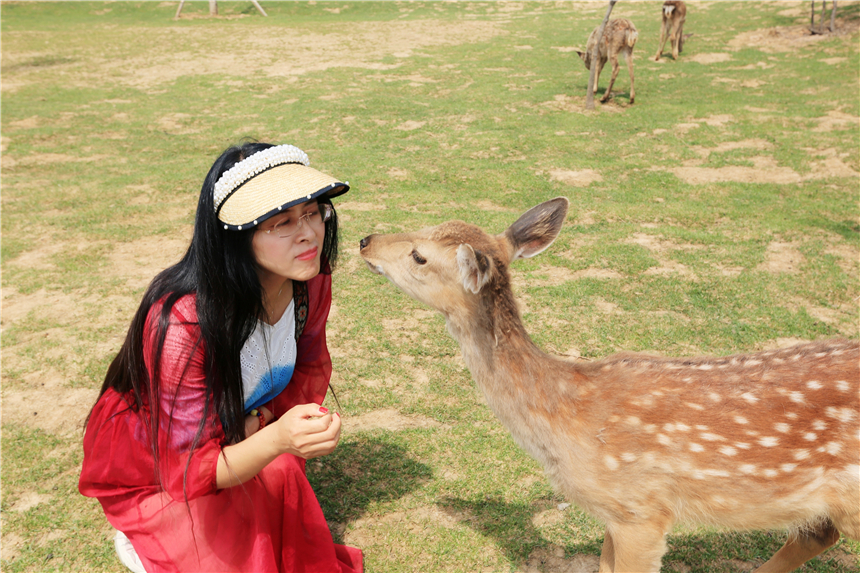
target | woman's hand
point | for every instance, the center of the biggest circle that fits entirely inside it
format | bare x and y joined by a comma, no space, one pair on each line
308,431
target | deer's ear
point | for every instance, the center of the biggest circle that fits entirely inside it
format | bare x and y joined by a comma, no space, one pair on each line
475,268
537,228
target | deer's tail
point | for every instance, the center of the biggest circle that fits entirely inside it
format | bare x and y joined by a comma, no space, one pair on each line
632,36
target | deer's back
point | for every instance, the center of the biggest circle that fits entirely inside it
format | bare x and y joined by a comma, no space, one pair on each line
697,435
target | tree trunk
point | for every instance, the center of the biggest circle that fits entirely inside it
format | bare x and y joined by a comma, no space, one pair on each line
595,58
213,7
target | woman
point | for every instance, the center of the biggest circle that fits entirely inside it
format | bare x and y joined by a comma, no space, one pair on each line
197,444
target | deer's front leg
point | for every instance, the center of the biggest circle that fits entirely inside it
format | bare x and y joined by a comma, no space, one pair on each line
664,34
801,548
638,547
607,554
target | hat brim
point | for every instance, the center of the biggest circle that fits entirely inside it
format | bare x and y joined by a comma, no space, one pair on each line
273,191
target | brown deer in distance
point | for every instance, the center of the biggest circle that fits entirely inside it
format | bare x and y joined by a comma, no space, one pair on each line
752,441
672,29
618,38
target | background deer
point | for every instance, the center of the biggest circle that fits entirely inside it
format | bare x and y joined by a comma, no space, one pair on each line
672,29
753,441
619,37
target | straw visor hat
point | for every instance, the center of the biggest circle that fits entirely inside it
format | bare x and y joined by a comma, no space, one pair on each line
266,183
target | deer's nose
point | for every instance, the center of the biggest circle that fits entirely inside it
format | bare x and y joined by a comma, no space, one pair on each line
363,243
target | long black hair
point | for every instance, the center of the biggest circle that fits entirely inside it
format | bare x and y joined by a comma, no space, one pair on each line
219,267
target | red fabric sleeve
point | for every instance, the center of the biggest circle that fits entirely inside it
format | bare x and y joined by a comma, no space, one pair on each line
313,363
182,404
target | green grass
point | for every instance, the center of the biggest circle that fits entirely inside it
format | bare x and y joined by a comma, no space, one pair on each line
113,112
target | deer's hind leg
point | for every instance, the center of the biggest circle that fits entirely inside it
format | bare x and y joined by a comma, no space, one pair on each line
630,69
615,68
800,548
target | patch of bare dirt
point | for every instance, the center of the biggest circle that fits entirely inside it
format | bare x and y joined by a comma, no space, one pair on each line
765,170
139,261
782,258
258,51
552,559
782,39
582,178
715,58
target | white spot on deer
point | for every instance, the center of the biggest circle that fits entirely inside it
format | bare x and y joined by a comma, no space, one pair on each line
814,385
742,446
705,367
801,454
748,469
614,419
696,448
819,425
751,433
770,473
717,473
702,428
650,428
664,439
669,427
842,385
628,457
728,451
842,414
633,420
769,441
749,363
832,448
791,416
741,420
711,437
810,436
787,467
751,398
610,462
694,406
782,428
797,357
715,397
796,397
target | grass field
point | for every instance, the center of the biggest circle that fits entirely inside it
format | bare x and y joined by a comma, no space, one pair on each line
717,214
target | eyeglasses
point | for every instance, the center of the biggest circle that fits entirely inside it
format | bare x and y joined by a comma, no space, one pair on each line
289,227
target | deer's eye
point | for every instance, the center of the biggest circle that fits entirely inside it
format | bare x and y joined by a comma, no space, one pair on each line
418,258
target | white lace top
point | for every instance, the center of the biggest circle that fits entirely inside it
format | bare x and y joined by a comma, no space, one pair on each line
268,359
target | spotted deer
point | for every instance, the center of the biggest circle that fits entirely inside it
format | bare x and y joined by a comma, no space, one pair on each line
619,37
752,441
672,29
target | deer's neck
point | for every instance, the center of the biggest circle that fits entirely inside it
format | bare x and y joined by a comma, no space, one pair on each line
506,365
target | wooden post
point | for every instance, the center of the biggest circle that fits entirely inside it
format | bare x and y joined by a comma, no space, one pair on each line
595,57
812,18
178,10
833,17
213,7
258,7
821,20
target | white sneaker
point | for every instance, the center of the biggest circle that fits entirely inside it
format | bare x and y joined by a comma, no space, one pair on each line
126,553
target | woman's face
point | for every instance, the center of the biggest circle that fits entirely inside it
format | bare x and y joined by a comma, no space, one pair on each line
284,251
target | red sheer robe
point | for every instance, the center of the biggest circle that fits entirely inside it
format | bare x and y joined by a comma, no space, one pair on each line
270,523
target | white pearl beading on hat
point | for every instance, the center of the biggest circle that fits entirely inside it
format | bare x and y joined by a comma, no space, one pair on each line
254,165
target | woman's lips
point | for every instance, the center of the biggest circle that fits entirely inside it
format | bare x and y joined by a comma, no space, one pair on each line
308,255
